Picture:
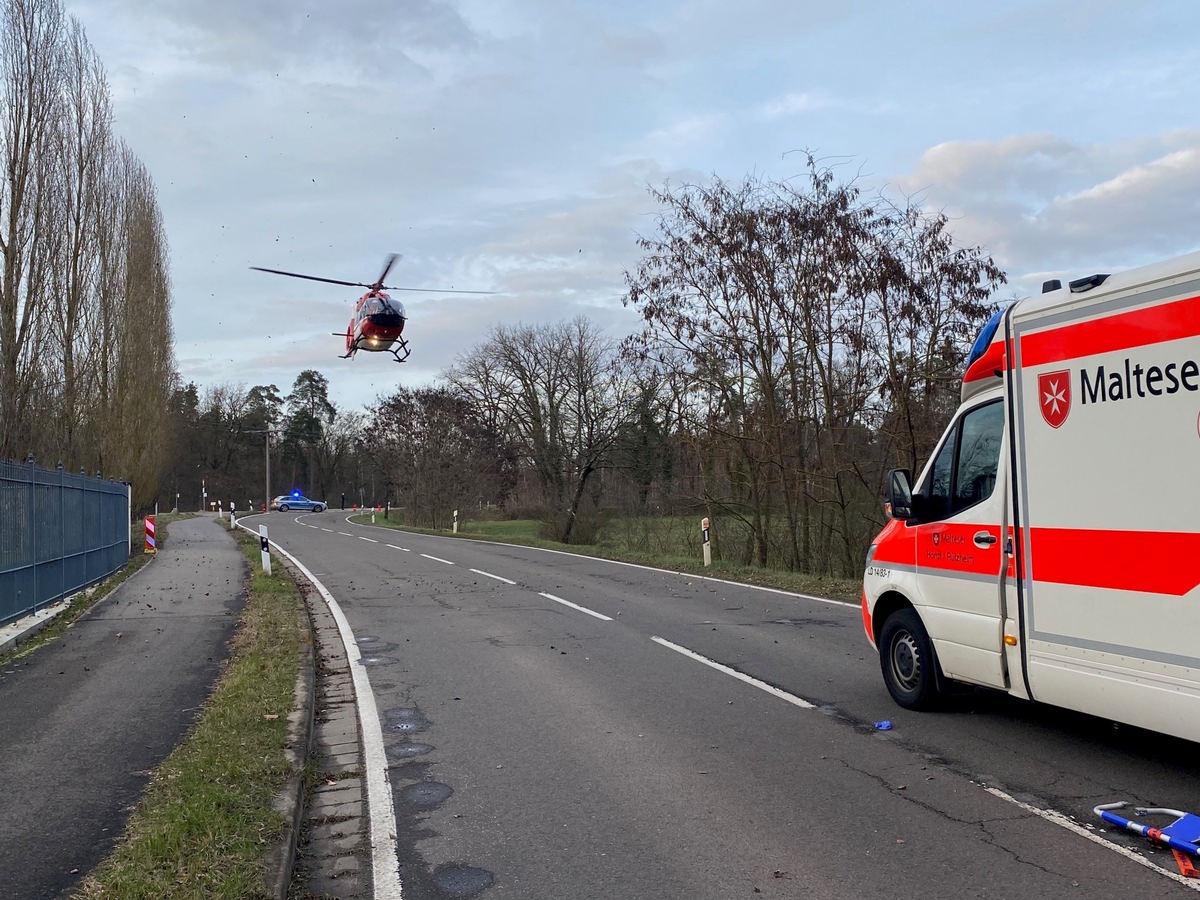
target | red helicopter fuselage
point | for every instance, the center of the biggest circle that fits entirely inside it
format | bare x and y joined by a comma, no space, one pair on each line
377,325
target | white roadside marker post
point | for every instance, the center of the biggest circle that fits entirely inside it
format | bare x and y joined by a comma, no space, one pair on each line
705,535
455,522
265,545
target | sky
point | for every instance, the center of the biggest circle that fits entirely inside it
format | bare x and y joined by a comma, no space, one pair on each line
509,146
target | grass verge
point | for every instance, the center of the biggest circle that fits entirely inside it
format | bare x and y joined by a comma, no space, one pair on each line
524,532
207,819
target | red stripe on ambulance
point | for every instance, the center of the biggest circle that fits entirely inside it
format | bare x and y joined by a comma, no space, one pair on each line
1138,328
1153,562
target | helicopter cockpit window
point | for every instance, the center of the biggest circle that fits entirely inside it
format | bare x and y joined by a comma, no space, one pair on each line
373,306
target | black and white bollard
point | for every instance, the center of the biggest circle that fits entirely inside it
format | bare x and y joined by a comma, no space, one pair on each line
704,540
265,545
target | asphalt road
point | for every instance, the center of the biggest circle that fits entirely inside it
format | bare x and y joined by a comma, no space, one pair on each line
555,730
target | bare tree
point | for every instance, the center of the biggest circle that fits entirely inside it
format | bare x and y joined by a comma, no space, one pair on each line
776,305
30,67
436,449
561,394
86,360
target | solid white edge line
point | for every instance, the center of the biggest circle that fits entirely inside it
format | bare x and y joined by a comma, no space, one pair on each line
385,861
490,575
582,609
437,559
740,676
617,562
1071,825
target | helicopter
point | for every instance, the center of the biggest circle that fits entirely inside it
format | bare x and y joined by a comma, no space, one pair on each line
378,322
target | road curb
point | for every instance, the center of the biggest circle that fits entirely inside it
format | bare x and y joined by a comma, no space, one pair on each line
290,802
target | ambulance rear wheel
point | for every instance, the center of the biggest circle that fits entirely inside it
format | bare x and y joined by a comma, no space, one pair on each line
906,657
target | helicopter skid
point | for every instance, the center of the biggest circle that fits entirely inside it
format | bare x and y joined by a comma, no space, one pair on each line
396,349
400,345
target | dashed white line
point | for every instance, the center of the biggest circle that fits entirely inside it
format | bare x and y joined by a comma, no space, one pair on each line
330,530
582,609
753,682
372,540
346,533
394,547
437,559
490,575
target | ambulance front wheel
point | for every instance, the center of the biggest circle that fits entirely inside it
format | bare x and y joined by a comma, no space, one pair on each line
906,657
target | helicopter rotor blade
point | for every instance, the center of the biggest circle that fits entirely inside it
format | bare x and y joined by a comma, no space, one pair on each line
384,287
311,277
387,267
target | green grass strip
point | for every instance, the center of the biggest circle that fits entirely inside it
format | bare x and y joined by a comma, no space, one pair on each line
207,817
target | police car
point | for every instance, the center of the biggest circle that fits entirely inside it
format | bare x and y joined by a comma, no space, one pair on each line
296,500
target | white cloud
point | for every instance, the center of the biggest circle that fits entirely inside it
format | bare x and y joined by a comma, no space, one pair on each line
1041,203
794,104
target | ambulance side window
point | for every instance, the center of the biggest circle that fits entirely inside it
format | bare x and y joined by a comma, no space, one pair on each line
964,471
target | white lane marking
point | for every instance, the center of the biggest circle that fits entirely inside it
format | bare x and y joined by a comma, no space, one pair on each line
617,562
490,575
740,676
385,862
330,530
1063,821
346,533
437,559
394,547
372,540
582,609
1049,815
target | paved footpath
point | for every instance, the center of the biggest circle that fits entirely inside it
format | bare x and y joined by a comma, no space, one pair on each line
85,719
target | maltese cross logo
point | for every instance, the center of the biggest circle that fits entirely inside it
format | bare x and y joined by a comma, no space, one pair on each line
1054,392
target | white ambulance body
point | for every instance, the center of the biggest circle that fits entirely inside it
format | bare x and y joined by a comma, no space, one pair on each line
1051,546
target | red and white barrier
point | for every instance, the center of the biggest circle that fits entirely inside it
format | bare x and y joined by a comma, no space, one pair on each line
151,542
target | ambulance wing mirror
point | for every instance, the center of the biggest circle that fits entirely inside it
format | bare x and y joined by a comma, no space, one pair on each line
899,499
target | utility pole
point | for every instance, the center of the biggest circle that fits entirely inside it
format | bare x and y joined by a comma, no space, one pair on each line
266,433
267,483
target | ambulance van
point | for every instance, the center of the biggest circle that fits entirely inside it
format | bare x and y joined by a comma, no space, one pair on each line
1051,546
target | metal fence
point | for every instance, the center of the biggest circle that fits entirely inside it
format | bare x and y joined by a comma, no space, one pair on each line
59,533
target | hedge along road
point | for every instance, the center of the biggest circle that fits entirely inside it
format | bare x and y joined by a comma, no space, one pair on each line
561,726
